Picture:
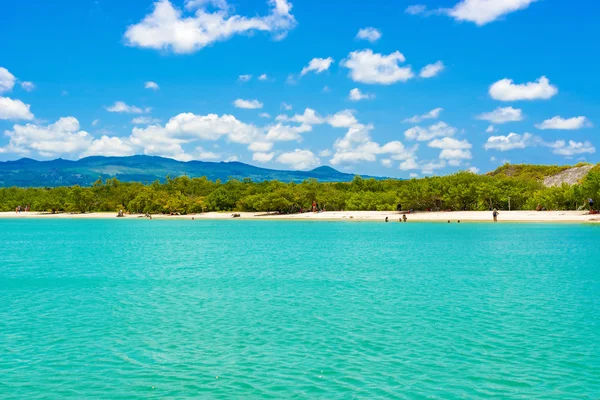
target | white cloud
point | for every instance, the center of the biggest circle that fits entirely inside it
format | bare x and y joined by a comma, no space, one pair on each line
145,121
62,137
202,154
568,124
167,29
326,89
430,167
357,146
482,12
263,77
14,109
433,114
473,170
560,147
357,95
413,175
244,78
109,147
325,153
431,70
450,143
286,106
409,164
248,104
416,9
507,90
151,85
95,122
7,80
490,129
285,133
440,129
27,86
502,115
232,159
309,117
121,107
317,65
370,34
386,162
260,147
262,157
264,115
455,156
342,119
453,151
186,128
299,159
509,142
374,68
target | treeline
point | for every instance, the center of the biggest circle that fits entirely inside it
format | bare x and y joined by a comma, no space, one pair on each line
184,195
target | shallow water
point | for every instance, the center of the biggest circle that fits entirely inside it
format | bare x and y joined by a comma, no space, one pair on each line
160,309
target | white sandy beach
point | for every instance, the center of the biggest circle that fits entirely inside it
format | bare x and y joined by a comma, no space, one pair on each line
454,216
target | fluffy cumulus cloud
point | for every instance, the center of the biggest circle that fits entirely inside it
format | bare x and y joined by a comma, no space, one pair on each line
248,104
370,34
317,65
263,77
431,70
260,147
14,109
299,159
7,80
60,138
568,124
358,146
502,115
109,147
511,141
122,107
507,90
262,157
571,148
166,28
151,85
482,12
441,129
357,95
374,68
433,114
453,151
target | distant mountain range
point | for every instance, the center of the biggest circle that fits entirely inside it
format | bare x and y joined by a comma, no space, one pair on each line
31,173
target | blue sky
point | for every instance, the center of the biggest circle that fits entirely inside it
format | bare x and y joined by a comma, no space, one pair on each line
402,88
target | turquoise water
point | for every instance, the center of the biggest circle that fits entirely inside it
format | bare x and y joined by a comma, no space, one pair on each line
160,309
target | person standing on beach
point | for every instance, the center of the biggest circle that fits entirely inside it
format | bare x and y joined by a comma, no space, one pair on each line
495,214
591,203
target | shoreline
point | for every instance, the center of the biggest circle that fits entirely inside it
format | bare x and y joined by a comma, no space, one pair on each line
354,216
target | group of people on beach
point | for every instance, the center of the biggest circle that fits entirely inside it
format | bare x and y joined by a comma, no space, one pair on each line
20,209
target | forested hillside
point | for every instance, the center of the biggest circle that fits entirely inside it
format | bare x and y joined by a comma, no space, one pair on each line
461,191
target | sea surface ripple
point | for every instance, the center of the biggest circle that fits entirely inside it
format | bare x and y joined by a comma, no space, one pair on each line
276,309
